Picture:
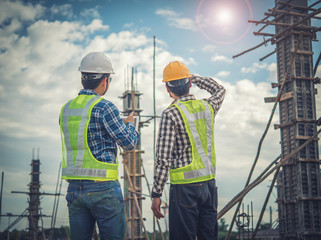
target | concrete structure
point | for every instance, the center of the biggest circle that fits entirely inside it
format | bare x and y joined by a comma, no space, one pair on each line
299,190
33,211
34,201
299,181
132,171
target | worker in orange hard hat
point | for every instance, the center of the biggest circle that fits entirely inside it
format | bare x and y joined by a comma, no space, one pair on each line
185,153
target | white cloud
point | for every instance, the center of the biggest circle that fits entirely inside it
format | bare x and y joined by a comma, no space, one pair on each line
63,10
125,40
209,48
246,100
175,20
19,10
255,67
272,72
129,25
190,50
96,25
221,58
90,13
223,74
166,13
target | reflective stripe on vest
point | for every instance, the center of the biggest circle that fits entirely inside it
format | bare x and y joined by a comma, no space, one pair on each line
73,166
208,160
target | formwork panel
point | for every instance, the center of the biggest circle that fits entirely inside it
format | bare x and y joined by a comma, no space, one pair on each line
132,159
299,190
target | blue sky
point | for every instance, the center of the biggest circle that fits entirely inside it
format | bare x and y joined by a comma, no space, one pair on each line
43,42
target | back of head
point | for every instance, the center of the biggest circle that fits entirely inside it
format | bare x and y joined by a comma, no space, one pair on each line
179,87
94,67
176,75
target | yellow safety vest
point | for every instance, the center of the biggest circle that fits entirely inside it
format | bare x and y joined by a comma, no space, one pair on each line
78,161
198,117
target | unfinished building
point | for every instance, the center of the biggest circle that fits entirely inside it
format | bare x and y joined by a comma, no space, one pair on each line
299,181
132,163
299,190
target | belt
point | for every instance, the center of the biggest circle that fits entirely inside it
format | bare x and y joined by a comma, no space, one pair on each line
85,180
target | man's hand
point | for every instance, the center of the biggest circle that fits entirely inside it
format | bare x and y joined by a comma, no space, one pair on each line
130,118
156,202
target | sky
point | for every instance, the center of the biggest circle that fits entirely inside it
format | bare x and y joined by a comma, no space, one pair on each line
43,42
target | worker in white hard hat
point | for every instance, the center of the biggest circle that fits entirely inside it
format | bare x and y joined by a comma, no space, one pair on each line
185,152
91,129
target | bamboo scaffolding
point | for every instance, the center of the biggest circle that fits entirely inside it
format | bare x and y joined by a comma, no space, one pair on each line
258,180
263,34
289,13
313,4
266,56
276,18
284,25
294,6
265,203
265,132
280,33
275,38
136,202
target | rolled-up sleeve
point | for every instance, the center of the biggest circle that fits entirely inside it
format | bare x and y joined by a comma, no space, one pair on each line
125,136
216,90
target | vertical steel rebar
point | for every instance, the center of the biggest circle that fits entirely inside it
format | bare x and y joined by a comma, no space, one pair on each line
2,177
154,115
265,203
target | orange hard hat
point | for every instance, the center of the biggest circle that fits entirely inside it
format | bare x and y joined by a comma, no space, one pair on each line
174,71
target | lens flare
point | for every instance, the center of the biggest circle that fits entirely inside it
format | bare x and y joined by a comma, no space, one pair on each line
224,16
224,22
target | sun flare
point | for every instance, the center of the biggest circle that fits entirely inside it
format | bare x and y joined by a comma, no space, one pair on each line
224,16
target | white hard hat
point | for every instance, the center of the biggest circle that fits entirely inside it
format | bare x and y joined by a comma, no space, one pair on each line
96,62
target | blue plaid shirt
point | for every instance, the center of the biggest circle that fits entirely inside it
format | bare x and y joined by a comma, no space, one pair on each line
106,130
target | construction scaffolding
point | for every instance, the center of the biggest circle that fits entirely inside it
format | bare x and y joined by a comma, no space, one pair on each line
33,212
299,190
132,170
34,201
298,172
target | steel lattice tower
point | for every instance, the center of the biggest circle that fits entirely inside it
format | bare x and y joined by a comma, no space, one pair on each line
299,191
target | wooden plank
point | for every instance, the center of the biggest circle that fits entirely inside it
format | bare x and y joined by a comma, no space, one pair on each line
286,96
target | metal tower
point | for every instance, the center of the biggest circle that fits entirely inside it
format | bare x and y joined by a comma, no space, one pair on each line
132,171
299,190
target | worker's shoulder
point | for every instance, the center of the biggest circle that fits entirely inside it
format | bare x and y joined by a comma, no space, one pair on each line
105,104
169,109
170,112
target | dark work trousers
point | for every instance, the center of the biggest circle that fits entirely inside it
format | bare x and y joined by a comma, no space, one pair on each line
193,211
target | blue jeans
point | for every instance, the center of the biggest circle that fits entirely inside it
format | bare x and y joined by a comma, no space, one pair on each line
193,211
90,202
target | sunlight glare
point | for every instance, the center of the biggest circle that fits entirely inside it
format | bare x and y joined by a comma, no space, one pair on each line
224,16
